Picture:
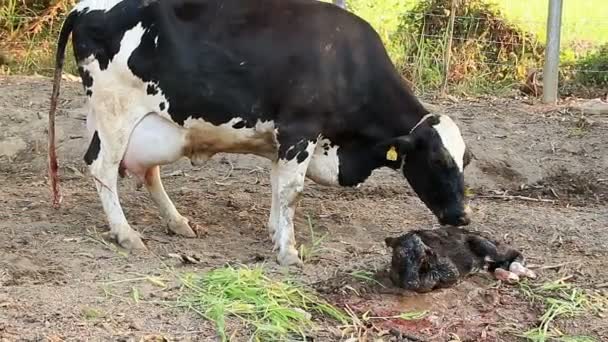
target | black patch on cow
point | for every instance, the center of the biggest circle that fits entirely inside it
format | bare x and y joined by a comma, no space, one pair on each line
296,151
162,106
357,163
89,92
93,151
239,125
188,11
87,80
152,89
99,33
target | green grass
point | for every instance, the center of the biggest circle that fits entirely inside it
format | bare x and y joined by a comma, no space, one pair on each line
586,21
560,300
311,251
273,310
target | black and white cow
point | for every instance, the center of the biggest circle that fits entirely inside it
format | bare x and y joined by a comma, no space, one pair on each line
300,82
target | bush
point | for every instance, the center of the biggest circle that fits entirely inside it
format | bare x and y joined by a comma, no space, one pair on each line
592,70
485,49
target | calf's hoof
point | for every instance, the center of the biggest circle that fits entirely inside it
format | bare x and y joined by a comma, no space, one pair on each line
182,227
506,276
289,258
521,270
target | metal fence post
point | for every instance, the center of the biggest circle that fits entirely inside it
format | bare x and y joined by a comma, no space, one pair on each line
551,68
447,56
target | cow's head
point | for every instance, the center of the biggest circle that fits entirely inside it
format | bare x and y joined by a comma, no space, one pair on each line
432,158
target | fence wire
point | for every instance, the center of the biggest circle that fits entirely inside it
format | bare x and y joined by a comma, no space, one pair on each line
495,49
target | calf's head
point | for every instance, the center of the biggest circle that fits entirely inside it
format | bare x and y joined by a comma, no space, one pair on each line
432,158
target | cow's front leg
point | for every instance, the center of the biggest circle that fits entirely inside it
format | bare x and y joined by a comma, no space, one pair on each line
172,218
104,159
289,174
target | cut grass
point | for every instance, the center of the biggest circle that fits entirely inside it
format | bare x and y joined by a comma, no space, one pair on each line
560,300
309,252
274,310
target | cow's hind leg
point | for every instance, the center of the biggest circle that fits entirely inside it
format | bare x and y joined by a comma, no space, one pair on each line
172,218
157,141
103,157
289,173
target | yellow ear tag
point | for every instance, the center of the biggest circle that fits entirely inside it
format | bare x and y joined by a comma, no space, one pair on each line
391,154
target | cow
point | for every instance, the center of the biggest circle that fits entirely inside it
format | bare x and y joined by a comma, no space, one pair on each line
302,83
427,259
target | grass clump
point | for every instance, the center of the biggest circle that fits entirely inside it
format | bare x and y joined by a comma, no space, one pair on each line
560,300
309,252
273,310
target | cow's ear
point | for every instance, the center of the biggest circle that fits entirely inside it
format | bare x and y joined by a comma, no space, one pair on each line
398,147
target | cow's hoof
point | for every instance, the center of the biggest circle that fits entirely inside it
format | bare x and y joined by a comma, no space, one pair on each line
290,258
182,227
132,242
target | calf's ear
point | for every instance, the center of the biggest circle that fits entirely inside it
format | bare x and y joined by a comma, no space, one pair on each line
391,242
396,148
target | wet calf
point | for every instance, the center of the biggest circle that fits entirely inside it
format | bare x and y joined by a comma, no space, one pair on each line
424,260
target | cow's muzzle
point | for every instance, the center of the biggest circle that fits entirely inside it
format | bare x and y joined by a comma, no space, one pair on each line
461,217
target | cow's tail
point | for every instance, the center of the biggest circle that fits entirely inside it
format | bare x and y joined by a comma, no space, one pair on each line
62,43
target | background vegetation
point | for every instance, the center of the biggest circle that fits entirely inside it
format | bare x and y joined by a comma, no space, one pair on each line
496,44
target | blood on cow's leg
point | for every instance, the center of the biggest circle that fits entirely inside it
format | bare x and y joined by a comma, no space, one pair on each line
290,174
172,218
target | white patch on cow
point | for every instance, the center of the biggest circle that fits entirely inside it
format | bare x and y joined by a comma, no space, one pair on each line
119,81
324,166
95,5
451,138
156,41
288,182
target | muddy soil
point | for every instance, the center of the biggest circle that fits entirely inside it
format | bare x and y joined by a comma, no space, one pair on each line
538,181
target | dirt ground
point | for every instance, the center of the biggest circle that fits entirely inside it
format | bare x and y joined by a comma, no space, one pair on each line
61,279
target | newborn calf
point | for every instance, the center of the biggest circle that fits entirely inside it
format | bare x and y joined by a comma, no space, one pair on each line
424,260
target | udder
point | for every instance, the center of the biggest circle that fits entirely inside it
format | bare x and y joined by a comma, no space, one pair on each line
154,141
